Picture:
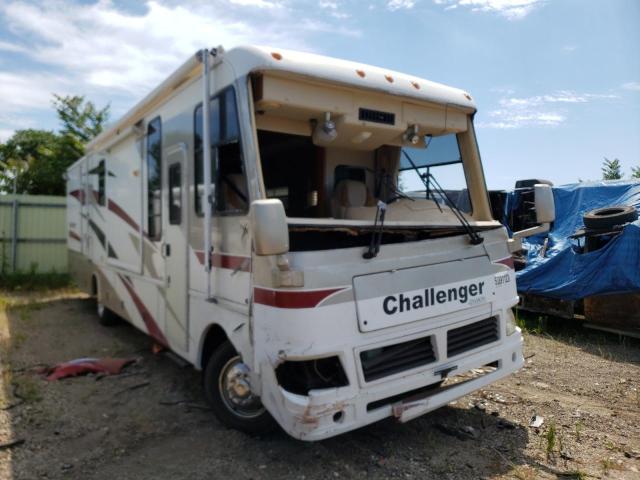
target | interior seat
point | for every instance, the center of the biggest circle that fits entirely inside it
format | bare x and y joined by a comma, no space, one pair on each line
352,200
234,191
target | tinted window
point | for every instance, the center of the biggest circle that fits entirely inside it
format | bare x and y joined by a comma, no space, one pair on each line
154,179
226,152
175,194
102,170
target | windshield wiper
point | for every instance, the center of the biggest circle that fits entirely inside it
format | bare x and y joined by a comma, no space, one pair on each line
376,237
428,179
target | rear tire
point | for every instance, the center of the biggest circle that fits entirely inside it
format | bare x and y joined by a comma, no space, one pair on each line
105,316
228,391
608,217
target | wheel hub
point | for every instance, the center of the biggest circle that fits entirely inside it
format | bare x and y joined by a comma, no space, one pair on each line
235,389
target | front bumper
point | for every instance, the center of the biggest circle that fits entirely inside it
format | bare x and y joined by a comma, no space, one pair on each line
329,412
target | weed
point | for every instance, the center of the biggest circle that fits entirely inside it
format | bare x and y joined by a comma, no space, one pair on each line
579,428
34,281
574,475
551,438
28,388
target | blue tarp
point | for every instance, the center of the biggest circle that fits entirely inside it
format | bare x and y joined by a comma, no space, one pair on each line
564,272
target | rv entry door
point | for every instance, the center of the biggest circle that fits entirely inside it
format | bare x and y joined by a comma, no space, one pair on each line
174,248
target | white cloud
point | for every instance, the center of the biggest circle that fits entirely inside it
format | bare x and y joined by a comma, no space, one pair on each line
108,53
569,48
334,9
6,134
510,9
635,86
547,110
28,90
256,3
394,5
11,47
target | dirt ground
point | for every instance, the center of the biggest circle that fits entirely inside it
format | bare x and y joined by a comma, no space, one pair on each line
151,421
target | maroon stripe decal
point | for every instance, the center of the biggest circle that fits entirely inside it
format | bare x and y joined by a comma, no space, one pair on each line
508,261
291,298
118,210
230,262
74,235
149,321
78,195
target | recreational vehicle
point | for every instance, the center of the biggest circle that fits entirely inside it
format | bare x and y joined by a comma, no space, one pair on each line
313,234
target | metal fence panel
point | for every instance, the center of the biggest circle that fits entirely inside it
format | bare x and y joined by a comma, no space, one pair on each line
33,233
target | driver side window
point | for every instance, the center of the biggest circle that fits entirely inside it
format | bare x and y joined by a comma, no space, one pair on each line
226,151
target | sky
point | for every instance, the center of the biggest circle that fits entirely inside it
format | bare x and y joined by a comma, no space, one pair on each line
556,82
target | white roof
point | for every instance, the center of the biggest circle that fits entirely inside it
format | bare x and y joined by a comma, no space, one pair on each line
248,59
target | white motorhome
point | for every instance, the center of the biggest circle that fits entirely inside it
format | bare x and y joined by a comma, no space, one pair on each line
325,253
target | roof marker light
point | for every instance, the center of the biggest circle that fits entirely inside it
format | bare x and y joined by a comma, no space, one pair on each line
389,78
276,55
468,97
416,85
361,73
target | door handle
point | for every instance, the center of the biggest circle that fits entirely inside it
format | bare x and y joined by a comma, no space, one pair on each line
167,250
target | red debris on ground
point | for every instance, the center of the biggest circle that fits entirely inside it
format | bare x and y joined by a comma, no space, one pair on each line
82,366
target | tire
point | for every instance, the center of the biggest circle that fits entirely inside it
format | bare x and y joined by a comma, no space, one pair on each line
250,418
105,316
608,217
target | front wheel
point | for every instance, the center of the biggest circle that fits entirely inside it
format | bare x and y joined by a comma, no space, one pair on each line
227,388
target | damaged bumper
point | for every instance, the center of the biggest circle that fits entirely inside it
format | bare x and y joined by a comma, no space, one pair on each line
329,412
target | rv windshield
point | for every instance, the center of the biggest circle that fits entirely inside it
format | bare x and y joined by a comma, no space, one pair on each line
439,157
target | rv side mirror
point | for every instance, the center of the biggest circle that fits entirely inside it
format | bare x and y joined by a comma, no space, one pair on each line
545,214
545,205
269,226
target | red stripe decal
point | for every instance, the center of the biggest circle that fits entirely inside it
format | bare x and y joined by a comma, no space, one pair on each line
291,298
117,209
74,235
508,261
149,321
231,262
78,194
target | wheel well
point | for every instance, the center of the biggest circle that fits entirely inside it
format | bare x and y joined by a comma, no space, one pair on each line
216,336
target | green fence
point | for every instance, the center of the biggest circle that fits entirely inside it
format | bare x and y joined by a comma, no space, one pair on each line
33,233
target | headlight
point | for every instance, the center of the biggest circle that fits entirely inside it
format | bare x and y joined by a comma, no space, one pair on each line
510,322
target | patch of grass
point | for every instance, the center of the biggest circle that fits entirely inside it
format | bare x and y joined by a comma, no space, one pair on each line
28,387
536,324
551,438
579,428
574,475
20,281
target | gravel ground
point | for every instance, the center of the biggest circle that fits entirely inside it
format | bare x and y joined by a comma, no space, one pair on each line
151,421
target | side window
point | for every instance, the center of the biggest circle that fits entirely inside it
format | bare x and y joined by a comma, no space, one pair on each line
154,179
102,174
175,194
231,191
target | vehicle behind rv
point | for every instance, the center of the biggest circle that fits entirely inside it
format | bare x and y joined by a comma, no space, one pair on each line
315,235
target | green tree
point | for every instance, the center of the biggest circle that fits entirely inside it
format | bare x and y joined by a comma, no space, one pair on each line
80,118
39,158
635,172
611,169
